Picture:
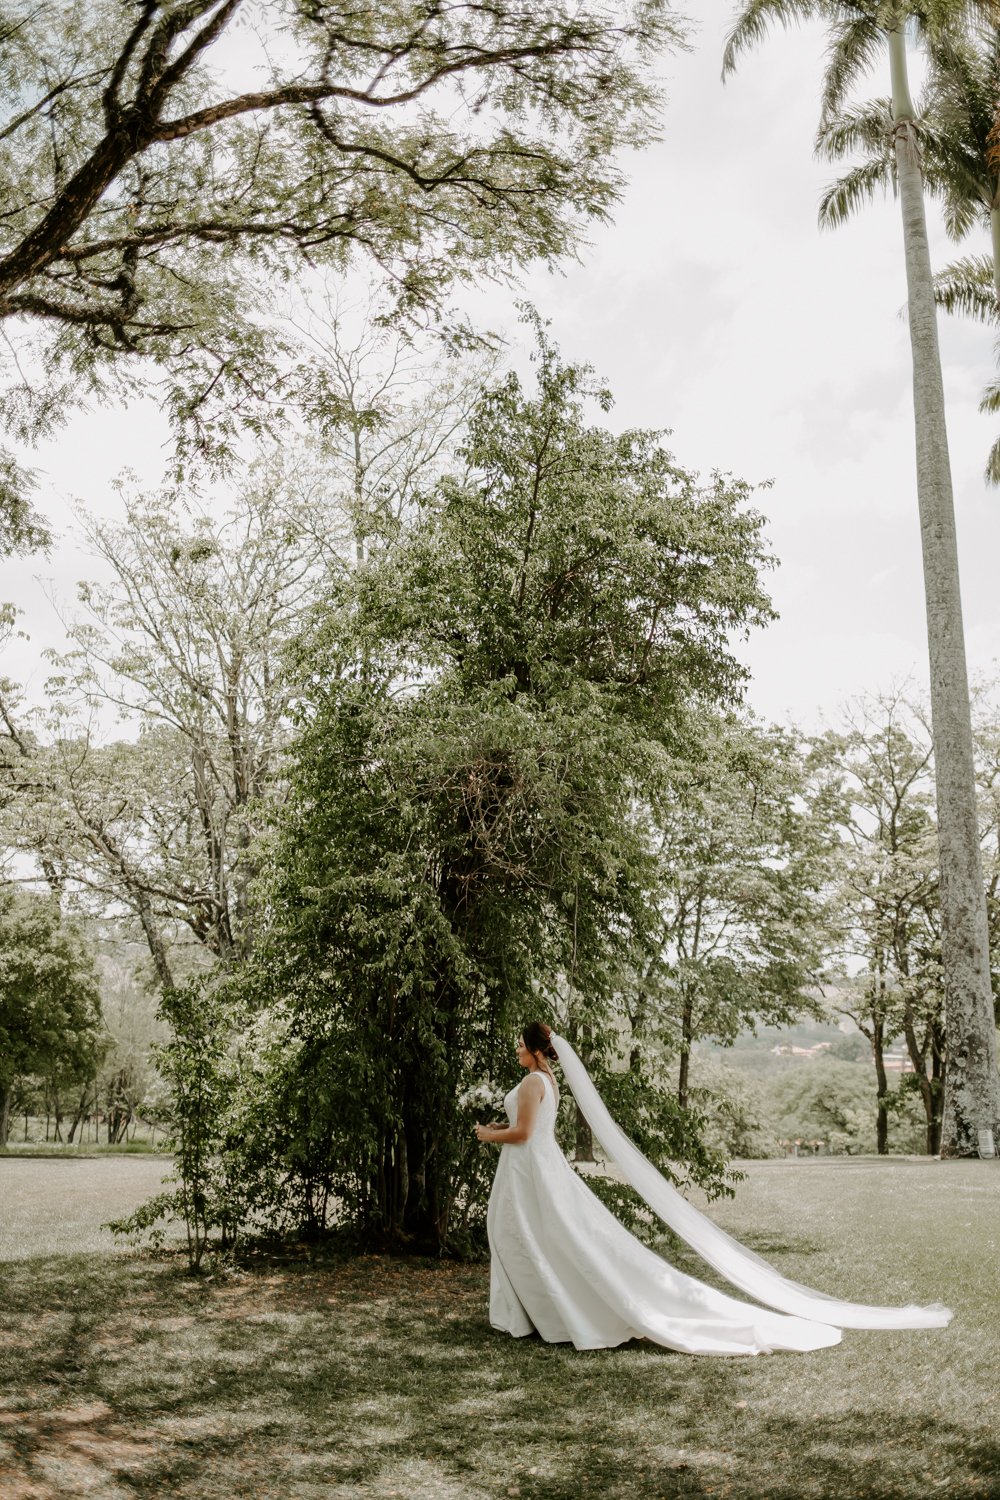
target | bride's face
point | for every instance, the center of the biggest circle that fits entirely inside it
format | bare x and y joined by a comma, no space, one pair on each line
525,1058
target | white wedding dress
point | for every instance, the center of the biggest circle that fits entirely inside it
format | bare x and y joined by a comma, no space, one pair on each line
563,1266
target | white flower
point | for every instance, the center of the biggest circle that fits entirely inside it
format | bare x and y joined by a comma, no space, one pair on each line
483,1097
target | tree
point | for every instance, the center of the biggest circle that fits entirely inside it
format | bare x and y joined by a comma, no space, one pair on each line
860,28
741,927
874,782
986,725
50,1002
195,1063
397,417
153,190
128,1088
957,112
489,706
831,1100
741,1120
188,641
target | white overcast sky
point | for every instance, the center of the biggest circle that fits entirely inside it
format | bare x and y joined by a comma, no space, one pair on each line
714,306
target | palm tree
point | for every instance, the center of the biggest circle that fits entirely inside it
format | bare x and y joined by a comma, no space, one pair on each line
957,113
969,86
860,30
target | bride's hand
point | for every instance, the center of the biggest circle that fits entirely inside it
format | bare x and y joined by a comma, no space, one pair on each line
482,1129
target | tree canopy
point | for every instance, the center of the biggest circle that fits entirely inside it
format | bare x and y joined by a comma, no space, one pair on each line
50,1003
488,705
163,165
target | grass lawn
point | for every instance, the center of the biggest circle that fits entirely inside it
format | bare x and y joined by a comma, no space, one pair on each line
122,1378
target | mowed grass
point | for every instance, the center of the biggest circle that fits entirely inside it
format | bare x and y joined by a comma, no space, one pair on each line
122,1377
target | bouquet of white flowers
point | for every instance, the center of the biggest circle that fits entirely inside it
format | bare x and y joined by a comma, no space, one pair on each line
484,1101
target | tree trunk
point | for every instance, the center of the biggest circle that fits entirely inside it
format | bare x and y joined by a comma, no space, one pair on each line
972,1093
584,1138
687,1026
402,1182
79,1116
882,1088
919,1062
5,1094
930,1084
938,1074
154,938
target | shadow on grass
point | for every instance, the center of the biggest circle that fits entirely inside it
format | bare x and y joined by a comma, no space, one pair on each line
121,1375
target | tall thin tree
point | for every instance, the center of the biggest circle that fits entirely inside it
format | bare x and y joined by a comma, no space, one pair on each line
958,113
859,31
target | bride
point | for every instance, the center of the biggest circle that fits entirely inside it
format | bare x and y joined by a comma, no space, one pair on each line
564,1266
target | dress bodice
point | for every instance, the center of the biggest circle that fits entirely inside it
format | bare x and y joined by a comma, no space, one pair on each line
546,1121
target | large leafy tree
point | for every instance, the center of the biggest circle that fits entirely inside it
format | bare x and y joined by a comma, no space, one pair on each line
488,707
874,784
185,640
50,1000
161,162
742,921
859,31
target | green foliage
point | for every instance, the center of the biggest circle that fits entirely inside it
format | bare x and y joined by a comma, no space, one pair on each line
853,1048
50,1002
22,529
742,912
489,707
677,1139
828,1100
740,1122
834,1101
151,208
673,1137
185,638
195,1064
873,782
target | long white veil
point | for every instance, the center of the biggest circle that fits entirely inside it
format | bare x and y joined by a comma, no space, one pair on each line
731,1259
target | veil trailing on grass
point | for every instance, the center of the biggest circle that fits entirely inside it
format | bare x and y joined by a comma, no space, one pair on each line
731,1259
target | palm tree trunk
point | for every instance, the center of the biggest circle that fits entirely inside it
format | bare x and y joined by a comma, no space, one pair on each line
995,241
972,1093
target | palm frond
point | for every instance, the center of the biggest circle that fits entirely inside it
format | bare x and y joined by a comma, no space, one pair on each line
992,471
990,400
854,47
757,18
953,167
961,214
860,185
859,127
966,286
958,113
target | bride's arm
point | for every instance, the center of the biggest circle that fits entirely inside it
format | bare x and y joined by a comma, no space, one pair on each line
529,1097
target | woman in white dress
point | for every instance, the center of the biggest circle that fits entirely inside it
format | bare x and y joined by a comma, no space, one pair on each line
563,1266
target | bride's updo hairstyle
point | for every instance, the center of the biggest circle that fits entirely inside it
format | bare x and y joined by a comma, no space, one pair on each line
537,1040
